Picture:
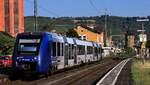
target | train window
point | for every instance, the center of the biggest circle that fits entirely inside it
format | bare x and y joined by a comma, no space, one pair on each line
58,49
62,51
54,48
89,50
81,50
70,51
73,51
99,50
95,50
78,49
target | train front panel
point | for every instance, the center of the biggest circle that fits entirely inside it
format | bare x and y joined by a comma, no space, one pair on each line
30,53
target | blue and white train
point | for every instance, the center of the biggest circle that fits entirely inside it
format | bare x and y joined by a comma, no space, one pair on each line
47,52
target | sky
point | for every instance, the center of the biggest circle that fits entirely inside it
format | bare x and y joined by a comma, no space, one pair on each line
61,8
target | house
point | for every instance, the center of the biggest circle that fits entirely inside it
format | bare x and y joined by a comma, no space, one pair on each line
89,34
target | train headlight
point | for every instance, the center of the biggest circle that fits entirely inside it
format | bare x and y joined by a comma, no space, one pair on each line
35,58
17,58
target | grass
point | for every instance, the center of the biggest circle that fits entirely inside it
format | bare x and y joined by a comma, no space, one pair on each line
141,72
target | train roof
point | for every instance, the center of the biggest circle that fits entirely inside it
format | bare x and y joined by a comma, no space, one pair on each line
63,39
95,44
81,42
57,38
70,40
88,43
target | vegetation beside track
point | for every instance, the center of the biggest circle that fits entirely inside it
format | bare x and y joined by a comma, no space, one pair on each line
140,72
125,53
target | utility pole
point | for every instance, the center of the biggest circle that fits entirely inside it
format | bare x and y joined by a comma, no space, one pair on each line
35,16
110,37
105,30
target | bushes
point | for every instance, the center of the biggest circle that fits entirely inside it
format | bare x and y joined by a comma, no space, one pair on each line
6,44
126,53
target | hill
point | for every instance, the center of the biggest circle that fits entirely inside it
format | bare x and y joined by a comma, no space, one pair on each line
116,25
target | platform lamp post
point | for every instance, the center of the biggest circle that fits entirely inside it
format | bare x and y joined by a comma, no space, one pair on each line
143,38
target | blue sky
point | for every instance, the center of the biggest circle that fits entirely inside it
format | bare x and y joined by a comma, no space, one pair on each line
57,8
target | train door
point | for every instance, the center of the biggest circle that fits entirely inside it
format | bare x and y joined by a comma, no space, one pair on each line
96,51
75,54
86,60
66,54
54,54
75,51
71,58
60,57
93,52
100,53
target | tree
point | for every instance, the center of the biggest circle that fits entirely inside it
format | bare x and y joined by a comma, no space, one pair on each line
47,27
72,33
6,44
148,44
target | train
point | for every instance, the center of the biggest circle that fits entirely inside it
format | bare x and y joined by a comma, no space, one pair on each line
46,52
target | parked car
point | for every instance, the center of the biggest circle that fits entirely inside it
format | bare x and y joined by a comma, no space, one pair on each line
5,61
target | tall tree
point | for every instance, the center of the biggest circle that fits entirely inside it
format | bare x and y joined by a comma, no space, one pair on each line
72,33
6,44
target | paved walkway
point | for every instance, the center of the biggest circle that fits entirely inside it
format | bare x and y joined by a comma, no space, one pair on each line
125,77
111,77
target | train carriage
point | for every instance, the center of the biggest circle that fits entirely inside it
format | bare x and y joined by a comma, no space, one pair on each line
89,51
46,52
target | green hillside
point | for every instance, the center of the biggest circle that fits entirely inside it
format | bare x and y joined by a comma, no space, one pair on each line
115,25
60,25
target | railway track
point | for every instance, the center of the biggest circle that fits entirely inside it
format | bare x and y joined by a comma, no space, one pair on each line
111,77
86,75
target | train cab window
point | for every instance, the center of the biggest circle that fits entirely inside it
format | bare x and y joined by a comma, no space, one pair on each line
54,48
28,46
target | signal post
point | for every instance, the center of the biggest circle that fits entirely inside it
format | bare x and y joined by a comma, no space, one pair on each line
143,39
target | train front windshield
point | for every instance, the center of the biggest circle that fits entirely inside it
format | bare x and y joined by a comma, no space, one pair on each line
29,46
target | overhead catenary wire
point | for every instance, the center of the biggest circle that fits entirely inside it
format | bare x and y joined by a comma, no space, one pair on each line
43,8
92,4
